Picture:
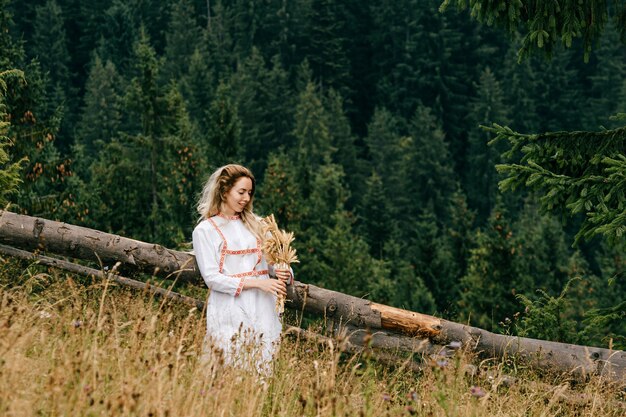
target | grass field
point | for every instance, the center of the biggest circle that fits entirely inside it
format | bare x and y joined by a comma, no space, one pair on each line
74,348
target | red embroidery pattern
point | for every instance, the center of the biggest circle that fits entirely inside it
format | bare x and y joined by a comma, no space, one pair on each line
242,252
225,251
251,273
224,216
239,287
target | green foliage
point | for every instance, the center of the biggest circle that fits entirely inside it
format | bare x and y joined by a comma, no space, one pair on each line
9,172
576,172
101,114
487,289
545,24
360,122
224,128
546,317
481,181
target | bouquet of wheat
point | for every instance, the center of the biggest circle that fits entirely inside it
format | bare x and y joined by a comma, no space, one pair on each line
278,251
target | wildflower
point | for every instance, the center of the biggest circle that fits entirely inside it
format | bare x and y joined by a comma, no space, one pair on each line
412,395
477,392
44,315
77,323
442,363
455,345
386,397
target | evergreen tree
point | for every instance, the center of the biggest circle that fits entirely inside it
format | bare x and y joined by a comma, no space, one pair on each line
556,91
345,143
546,24
265,108
224,128
49,47
120,32
606,95
9,171
408,288
220,43
313,139
327,49
519,90
375,218
488,290
279,193
388,150
481,180
430,168
198,88
182,39
101,115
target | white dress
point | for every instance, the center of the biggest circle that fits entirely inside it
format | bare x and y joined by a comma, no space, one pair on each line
243,324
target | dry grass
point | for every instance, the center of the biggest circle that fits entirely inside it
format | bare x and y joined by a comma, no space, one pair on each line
70,349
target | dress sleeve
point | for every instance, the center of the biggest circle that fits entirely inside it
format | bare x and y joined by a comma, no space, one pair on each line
207,256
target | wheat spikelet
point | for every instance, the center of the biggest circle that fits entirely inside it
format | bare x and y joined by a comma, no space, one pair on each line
278,250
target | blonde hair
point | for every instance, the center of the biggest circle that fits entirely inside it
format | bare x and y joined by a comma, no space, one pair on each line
214,194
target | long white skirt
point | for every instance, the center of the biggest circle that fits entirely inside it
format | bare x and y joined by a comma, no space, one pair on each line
246,328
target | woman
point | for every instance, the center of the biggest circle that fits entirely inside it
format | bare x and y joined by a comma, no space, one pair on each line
242,320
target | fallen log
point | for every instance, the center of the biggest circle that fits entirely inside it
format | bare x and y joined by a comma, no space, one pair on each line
35,233
341,309
352,339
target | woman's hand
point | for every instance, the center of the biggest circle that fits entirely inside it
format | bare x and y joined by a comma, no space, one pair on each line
272,286
283,275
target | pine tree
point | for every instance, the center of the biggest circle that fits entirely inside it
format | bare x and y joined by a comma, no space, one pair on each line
313,138
49,47
430,168
101,114
388,149
606,93
220,43
375,219
344,142
519,90
198,88
120,31
487,290
279,193
182,39
224,128
265,107
481,182
9,171
408,288
546,24
327,49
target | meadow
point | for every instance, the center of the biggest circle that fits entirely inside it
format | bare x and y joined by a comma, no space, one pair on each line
76,347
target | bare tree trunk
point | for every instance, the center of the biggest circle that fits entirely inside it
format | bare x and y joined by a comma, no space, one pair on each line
33,233
344,311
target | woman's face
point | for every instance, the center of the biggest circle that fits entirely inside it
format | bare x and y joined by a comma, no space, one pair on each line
238,197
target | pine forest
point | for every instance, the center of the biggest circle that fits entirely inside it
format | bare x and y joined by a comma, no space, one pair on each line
378,132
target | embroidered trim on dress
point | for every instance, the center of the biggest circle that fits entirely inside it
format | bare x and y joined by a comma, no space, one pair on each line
224,216
224,251
240,287
224,246
242,251
251,273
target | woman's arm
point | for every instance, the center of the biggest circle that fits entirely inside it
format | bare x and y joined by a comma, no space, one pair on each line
207,256
272,286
